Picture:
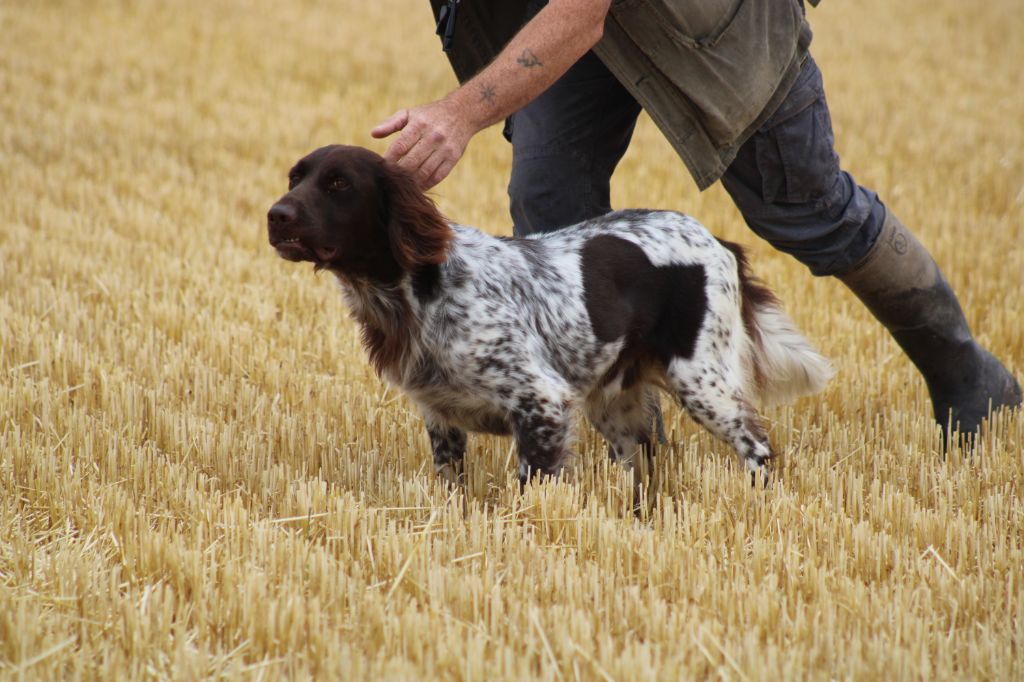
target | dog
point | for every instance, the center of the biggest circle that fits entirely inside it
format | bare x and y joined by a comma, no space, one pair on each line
511,336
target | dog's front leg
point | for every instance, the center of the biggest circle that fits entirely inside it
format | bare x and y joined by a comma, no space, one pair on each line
542,428
449,447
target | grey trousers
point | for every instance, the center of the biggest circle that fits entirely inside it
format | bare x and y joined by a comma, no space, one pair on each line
786,180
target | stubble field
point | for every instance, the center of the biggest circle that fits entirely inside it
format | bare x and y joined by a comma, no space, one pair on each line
200,475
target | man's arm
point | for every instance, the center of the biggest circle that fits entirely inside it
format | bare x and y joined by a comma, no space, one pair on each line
434,136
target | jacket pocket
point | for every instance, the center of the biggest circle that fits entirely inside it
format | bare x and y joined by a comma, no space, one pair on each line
796,147
726,56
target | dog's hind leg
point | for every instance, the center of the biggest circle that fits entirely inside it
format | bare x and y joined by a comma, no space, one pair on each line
713,394
626,420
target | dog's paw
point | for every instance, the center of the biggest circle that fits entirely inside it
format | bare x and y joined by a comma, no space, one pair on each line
451,473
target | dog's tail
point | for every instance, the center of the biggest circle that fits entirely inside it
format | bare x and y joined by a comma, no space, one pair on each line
782,365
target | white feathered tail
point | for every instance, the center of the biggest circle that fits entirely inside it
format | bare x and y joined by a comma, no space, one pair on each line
782,365
785,365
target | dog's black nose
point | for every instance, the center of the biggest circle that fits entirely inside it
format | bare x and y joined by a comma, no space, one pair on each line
281,215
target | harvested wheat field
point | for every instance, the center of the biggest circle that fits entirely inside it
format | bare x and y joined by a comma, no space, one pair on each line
201,476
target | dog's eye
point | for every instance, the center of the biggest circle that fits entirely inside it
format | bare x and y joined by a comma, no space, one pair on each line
338,184
293,179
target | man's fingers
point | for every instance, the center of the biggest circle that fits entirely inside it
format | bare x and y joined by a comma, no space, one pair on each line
410,157
402,145
426,171
440,174
396,122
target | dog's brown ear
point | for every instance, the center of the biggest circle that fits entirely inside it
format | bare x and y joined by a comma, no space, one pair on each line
418,233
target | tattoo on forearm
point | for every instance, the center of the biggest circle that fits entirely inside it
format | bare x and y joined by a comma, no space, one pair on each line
529,59
487,94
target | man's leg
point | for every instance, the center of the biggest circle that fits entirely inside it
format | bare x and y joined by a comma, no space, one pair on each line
789,186
565,146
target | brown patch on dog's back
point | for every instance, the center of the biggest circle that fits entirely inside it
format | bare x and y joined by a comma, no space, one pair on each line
657,310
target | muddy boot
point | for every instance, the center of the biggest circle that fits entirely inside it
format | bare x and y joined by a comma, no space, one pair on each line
903,288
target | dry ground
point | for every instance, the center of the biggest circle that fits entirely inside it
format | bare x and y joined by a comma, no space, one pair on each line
201,477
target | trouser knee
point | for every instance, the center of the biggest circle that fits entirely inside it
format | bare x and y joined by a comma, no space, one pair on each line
829,234
788,184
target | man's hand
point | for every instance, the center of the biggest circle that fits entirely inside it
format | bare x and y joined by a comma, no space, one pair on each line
433,138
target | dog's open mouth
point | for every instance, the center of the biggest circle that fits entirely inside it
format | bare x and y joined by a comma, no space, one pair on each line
292,249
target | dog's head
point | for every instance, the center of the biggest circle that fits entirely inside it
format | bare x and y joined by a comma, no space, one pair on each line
349,211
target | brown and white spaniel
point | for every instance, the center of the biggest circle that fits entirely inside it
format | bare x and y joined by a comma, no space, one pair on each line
510,336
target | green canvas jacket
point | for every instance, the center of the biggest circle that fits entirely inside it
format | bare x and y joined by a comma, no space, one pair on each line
708,72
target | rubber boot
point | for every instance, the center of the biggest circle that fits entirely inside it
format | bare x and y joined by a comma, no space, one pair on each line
903,288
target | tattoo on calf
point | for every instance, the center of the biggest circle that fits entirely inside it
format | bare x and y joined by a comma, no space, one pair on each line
487,93
529,59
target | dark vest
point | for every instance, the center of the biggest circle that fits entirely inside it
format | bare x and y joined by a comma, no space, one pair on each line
708,72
